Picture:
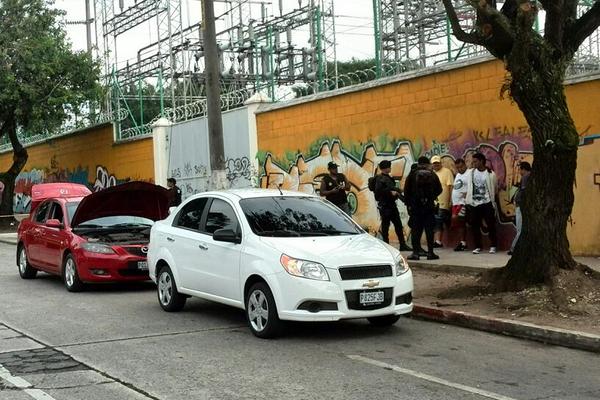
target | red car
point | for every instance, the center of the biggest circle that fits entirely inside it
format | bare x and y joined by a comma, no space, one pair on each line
85,237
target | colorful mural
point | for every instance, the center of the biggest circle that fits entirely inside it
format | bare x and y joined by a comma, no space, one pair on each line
504,147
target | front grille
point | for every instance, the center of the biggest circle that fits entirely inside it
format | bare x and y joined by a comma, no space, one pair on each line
365,272
353,296
137,250
132,270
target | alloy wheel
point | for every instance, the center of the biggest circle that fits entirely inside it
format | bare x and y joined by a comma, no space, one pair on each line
165,288
258,311
70,272
22,261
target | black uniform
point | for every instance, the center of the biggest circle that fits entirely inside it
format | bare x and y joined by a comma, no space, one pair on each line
174,196
386,204
421,190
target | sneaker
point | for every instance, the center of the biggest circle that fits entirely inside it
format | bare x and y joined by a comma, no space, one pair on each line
433,256
460,247
437,245
414,257
492,250
477,251
404,247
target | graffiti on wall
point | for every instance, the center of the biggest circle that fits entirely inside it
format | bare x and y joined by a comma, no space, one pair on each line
55,173
504,147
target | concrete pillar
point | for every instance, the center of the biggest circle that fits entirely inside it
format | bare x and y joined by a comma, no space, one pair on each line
253,103
161,135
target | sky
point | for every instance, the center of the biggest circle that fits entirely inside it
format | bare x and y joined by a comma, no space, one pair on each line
354,26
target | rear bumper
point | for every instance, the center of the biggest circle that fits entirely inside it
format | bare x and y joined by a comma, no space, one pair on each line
110,268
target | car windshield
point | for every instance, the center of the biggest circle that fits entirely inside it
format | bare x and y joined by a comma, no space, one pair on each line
118,221
296,216
71,207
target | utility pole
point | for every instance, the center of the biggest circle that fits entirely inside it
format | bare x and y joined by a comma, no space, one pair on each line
213,96
88,26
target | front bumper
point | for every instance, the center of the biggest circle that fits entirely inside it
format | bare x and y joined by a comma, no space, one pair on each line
293,293
114,267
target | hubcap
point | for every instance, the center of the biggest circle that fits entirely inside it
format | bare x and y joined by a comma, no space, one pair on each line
258,310
70,272
22,261
165,288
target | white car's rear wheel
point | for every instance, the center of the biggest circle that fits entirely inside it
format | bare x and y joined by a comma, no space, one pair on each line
261,312
26,271
168,296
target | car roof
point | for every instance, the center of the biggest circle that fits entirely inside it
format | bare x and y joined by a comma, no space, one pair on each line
238,194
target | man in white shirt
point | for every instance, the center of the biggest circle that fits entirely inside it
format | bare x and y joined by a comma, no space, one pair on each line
459,210
481,197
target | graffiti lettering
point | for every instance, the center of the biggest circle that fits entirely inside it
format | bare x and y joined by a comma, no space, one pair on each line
103,179
237,168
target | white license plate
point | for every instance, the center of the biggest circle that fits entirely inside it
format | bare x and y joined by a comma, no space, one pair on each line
371,297
143,265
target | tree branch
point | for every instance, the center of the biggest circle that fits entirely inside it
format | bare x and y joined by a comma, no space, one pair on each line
582,28
460,34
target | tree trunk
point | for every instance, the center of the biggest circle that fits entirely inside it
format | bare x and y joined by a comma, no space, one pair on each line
9,177
543,247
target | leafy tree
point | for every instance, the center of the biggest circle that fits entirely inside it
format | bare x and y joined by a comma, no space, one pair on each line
536,67
43,82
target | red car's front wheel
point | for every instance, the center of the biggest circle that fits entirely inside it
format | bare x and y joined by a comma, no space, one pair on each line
71,276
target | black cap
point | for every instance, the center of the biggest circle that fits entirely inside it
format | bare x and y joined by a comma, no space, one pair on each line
385,164
331,165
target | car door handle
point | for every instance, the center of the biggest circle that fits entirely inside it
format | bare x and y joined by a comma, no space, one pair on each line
170,239
203,246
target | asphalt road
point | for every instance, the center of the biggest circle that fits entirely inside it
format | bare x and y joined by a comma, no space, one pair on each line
114,342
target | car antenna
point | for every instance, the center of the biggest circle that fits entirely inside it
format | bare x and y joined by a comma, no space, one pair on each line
279,187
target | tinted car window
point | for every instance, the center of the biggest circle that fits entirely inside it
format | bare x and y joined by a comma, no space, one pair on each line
42,211
220,216
191,214
296,216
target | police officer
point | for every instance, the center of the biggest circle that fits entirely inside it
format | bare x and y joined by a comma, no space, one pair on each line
174,193
386,194
334,187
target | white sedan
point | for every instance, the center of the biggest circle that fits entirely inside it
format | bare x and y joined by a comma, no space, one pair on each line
278,256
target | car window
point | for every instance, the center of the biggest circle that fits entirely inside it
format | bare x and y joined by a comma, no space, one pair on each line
190,215
71,208
42,211
57,212
296,216
220,216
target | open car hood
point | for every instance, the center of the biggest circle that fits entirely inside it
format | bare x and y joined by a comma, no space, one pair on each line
43,191
138,199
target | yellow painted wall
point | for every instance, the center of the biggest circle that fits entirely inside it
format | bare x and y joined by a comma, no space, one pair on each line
451,113
88,157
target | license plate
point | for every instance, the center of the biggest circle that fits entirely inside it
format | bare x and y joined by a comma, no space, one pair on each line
142,265
371,297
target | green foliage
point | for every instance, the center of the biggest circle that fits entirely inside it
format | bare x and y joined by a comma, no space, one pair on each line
43,82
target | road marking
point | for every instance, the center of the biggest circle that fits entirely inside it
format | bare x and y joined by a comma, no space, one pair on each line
430,378
21,383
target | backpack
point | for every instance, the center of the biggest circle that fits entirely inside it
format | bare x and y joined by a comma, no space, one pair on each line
372,183
424,184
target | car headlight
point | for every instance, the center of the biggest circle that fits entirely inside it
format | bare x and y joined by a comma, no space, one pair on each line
304,269
401,265
97,248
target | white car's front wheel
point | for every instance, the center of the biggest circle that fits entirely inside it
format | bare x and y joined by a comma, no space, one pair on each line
261,312
168,296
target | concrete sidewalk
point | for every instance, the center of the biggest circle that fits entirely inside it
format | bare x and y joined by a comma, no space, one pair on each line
465,261
8,238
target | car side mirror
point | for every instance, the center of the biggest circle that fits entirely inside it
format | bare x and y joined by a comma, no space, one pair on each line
54,223
227,235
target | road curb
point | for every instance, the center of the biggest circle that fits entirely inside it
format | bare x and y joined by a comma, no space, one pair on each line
457,269
8,241
523,330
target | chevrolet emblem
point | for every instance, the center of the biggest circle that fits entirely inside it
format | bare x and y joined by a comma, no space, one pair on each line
370,284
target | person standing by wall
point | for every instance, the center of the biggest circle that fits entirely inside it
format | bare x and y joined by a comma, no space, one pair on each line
525,171
481,198
174,193
443,214
459,210
334,187
421,190
386,194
